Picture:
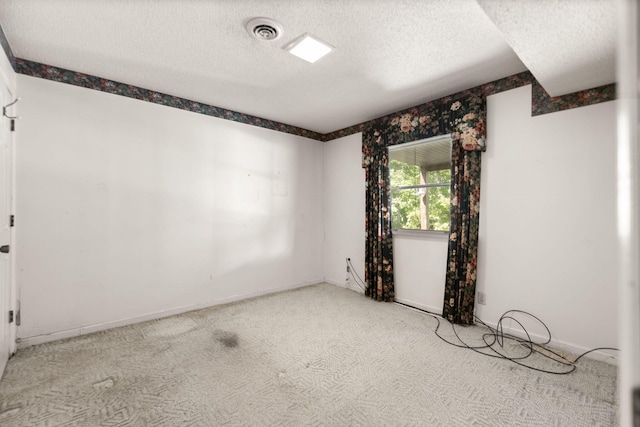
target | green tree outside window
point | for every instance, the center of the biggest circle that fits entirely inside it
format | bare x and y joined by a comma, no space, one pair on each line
425,204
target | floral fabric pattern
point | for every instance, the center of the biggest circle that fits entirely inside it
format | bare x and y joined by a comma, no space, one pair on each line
463,116
378,245
462,256
542,103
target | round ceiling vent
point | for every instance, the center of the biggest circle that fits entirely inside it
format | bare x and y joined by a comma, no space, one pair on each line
264,29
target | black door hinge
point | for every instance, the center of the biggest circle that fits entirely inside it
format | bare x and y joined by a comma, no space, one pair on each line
13,125
12,220
11,316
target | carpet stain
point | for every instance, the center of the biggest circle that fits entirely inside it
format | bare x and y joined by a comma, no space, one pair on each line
229,340
292,365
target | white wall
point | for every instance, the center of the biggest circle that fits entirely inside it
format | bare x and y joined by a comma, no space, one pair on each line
344,209
420,263
130,210
547,218
416,261
6,72
547,232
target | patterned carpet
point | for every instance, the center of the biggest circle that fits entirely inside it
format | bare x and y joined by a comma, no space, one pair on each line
319,355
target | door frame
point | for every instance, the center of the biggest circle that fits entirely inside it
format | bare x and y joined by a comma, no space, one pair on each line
8,83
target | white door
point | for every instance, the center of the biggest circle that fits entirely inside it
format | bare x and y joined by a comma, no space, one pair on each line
5,230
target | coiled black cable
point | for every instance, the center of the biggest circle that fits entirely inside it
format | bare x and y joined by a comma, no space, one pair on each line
495,337
498,336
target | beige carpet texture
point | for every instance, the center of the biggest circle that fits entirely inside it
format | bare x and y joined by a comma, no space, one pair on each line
315,356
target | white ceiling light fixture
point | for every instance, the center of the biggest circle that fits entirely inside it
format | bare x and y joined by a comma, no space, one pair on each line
309,48
264,29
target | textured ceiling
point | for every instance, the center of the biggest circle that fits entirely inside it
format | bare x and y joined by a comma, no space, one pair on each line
389,54
568,45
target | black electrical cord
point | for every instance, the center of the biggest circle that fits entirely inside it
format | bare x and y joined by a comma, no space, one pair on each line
361,283
498,336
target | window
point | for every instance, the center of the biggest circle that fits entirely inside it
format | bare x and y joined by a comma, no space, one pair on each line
420,175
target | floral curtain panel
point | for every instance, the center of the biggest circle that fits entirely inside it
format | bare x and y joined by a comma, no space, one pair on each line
463,116
378,245
462,257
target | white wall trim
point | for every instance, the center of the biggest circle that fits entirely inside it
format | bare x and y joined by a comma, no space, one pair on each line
425,307
84,330
335,283
351,286
562,346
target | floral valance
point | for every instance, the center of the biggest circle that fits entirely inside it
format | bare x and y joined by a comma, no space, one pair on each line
462,115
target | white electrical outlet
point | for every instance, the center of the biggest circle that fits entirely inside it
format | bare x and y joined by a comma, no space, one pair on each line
482,298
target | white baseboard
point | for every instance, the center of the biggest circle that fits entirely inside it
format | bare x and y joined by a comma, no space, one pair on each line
603,356
84,330
429,308
562,346
347,285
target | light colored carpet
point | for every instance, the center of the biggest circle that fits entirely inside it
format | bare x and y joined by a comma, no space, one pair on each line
319,355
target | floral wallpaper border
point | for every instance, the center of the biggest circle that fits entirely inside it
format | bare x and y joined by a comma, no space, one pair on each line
360,127
49,72
7,48
541,102
463,115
